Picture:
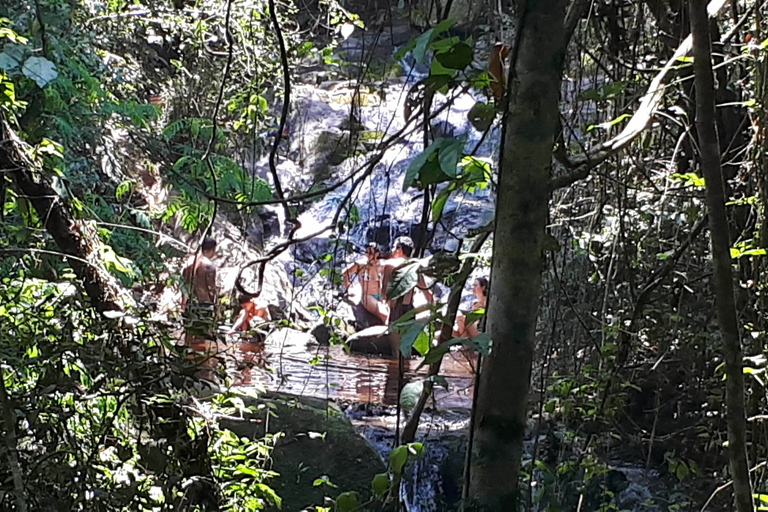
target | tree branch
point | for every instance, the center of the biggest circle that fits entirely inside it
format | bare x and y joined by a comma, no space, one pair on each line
582,165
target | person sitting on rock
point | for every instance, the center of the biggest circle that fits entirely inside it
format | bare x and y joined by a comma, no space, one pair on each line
463,330
253,312
368,270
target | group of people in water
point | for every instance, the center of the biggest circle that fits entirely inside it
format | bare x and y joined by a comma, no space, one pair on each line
375,274
199,293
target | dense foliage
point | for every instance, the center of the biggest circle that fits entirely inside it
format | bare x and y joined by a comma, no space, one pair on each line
146,116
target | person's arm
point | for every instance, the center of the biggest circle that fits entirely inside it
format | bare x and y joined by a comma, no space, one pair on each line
386,274
425,289
210,282
240,320
350,270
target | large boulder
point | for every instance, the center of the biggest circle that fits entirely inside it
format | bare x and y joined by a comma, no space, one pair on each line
373,340
318,440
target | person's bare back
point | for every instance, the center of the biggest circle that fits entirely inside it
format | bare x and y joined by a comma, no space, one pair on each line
199,277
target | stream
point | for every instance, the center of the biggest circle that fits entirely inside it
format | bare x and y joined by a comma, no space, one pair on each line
366,385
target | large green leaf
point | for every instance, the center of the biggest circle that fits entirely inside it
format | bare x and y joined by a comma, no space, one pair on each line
380,484
403,280
438,204
409,338
481,115
450,154
420,161
458,56
422,45
436,353
424,41
480,343
397,459
347,502
422,343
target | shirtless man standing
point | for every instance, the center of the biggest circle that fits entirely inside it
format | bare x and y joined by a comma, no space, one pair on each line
403,248
369,272
199,297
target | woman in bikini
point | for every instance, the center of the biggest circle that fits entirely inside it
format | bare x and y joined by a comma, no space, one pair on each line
463,330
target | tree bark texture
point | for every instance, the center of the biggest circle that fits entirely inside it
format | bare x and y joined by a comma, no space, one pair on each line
74,238
721,258
530,127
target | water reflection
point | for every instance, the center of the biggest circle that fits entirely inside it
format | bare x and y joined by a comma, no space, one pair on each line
286,362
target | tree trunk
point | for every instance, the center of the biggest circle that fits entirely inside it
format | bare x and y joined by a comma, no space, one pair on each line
530,127
721,258
74,238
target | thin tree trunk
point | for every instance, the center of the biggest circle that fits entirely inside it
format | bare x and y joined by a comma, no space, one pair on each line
446,333
530,127
74,238
718,227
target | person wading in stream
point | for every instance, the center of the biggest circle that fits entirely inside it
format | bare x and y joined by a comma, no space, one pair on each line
252,313
369,273
401,252
199,295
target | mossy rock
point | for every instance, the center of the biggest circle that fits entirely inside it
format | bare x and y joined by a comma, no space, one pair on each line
318,441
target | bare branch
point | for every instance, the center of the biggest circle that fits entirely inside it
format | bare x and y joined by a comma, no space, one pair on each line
583,164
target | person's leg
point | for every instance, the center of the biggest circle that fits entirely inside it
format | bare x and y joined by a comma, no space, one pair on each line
472,330
459,329
377,308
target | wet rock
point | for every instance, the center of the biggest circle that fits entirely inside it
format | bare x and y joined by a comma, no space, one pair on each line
373,340
324,333
318,440
288,338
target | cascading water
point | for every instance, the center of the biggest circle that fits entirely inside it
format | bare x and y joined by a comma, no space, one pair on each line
327,143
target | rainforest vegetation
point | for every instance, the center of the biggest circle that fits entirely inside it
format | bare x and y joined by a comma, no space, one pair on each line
580,323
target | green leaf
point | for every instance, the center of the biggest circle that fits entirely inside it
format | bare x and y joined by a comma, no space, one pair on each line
397,459
41,70
408,339
422,343
404,279
459,56
438,203
346,502
436,353
422,46
481,116
450,154
480,343
266,492
424,41
323,480
416,449
689,178
439,380
414,169
380,484
122,189
437,69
